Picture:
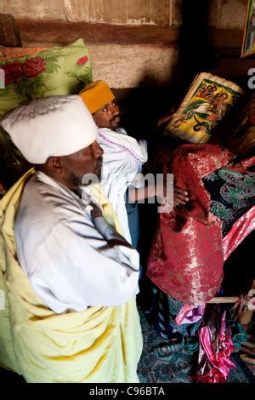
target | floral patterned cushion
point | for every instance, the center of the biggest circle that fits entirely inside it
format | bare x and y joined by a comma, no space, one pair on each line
28,73
31,73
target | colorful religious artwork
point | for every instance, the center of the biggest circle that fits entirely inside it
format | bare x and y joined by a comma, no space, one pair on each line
206,103
248,46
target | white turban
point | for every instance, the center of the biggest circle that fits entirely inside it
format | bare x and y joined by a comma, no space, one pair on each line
50,126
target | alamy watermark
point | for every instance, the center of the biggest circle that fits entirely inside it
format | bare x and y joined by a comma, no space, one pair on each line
2,78
251,80
148,188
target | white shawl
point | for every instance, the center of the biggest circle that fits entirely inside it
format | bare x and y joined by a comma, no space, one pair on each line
122,162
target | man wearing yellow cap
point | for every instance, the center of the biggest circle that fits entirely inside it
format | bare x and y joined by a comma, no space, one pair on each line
122,161
123,155
69,278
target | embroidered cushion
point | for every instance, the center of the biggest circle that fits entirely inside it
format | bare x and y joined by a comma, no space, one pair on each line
30,73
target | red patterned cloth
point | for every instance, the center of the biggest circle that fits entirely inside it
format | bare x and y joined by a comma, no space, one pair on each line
188,252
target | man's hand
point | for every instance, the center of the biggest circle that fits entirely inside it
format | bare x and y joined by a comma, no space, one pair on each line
96,212
107,231
181,197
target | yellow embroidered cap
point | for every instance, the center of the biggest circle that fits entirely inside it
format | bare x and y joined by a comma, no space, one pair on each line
96,95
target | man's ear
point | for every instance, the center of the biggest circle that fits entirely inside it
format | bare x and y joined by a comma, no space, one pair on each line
55,163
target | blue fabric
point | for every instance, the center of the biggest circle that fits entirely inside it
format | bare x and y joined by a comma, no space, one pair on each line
133,222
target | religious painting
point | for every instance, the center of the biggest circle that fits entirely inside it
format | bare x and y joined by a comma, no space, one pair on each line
208,100
248,46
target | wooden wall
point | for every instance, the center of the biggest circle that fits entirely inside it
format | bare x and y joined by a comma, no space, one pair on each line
227,14
155,12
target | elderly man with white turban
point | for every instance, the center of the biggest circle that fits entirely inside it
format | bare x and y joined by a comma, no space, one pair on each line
68,276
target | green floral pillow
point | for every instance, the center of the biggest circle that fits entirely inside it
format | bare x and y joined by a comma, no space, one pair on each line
32,73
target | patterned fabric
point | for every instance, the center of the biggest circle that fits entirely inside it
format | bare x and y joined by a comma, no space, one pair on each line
186,259
239,231
29,73
232,194
188,252
45,72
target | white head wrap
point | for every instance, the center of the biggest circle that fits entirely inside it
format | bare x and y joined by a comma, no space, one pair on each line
50,126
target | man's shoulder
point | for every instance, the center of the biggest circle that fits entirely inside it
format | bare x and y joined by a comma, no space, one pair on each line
42,200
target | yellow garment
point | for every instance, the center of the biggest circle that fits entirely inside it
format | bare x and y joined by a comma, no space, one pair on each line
100,344
96,95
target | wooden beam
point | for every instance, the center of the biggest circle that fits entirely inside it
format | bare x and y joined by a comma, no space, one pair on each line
9,32
227,42
58,32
